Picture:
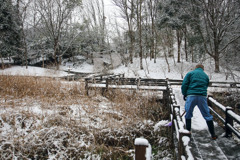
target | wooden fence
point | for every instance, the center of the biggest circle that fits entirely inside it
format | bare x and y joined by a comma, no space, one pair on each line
183,149
226,116
182,135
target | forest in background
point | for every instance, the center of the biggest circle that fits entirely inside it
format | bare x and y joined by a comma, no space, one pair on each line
53,30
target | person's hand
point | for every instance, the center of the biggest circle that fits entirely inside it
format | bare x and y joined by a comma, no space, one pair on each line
184,97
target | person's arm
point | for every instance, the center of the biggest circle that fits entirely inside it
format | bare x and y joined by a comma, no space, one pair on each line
185,84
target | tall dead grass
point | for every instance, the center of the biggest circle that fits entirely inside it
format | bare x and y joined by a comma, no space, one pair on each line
24,86
128,103
108,123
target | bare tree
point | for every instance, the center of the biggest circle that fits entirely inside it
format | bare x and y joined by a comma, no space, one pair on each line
127,8
139,26
152,4
94,14
219,30
54,15
179,36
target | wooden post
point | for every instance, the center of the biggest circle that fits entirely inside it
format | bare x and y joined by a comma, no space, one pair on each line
141,145
208,101
107,81
68,73
138,82
140,152
228,120
174,113
166,101
210,84
86,86
181,149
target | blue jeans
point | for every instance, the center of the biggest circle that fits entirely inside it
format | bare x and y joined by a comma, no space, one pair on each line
201,102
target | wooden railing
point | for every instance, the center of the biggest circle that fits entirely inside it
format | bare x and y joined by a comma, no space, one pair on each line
226,116
182,135
110,79
118,81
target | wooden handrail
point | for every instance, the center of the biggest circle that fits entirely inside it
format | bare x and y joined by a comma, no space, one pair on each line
230,116
169,97
178,125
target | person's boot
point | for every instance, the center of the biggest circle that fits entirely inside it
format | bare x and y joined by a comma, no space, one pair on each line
211,129
188,124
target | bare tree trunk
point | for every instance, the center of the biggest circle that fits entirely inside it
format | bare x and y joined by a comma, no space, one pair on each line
217,63
56,53
153,29
3,66
139,21
165,56
127,8
25,47
23,37
179,41
43,61
131,48
185,43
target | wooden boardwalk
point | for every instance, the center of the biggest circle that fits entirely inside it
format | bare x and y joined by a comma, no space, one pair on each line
200,146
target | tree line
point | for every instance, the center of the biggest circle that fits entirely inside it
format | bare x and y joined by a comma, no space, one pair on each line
54,29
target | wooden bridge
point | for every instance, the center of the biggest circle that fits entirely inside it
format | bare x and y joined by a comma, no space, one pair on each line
194,145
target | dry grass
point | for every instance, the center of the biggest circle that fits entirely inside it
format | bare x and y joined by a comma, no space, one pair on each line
71,118
126,106
41,88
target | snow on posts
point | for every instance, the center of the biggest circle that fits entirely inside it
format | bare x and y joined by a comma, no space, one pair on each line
177,120
211,100
183,143
186,140
234,116
138,82
175,109
183,148
143,150
229,120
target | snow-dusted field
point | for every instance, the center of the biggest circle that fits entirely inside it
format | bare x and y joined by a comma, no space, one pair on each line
66,124
158,70
44,118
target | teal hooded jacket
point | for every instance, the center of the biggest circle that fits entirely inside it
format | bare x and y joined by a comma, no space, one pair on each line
195,83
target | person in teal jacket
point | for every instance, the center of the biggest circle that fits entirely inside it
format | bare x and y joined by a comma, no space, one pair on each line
194,90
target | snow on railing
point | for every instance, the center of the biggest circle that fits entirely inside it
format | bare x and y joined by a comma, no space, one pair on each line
119,82
229,115
182,135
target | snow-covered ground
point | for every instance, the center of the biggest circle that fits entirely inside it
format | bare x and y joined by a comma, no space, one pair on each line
33,71
158,70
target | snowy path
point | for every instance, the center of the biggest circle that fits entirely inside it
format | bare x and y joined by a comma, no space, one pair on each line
202,146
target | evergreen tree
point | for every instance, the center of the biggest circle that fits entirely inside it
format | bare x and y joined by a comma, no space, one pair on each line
9,30
173,17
